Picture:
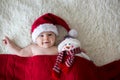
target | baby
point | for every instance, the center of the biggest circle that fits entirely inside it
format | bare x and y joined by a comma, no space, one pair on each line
44,45
44,32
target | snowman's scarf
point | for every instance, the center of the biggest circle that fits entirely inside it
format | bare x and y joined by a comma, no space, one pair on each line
65,60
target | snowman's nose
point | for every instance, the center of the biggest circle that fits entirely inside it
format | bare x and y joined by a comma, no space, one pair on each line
68,47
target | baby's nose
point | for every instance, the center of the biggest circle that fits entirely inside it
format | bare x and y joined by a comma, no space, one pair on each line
46,37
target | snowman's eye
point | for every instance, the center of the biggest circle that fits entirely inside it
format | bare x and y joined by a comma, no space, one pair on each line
65,44
69,44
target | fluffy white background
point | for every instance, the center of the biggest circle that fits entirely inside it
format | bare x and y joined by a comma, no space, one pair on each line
97,22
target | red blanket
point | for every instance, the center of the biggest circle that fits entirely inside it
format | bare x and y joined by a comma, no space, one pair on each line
13,67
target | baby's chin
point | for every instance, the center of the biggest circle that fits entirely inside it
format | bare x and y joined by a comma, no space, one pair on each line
47,46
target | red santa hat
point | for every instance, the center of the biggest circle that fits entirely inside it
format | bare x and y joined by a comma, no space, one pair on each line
48,22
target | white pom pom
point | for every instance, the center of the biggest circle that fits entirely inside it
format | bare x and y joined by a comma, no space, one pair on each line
73,33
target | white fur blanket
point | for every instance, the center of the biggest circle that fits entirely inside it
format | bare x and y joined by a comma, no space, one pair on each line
97,23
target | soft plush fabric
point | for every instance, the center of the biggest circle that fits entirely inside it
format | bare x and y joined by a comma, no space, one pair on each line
40,68
97,23
13,67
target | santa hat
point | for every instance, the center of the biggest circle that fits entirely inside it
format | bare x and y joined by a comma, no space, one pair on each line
48,22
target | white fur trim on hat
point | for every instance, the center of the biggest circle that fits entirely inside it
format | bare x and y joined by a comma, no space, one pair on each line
43,28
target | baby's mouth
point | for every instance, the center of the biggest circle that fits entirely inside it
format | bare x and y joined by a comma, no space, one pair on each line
46,42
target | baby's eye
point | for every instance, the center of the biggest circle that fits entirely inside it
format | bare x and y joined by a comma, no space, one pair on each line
49,34
41,35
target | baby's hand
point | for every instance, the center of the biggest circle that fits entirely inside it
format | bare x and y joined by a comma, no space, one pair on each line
6,41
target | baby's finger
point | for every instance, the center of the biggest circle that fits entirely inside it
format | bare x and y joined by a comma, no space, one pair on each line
4,41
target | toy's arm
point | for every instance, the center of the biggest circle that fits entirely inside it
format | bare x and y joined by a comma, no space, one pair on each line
84,55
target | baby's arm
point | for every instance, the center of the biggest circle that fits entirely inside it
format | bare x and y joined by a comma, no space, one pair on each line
11,45
16,49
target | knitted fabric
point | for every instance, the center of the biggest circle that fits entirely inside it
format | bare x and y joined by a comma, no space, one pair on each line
64,61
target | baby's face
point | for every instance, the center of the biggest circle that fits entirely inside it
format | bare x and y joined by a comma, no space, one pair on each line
46,39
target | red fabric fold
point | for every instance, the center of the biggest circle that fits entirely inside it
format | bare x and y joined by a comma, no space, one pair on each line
39,67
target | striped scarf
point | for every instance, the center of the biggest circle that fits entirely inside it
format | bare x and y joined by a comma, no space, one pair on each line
64,61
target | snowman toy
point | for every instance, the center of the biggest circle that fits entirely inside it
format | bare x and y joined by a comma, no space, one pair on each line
72,45
68,49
